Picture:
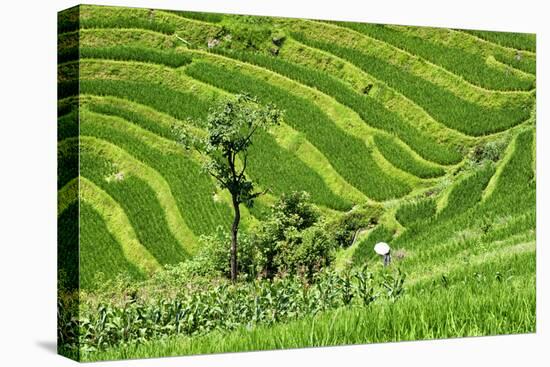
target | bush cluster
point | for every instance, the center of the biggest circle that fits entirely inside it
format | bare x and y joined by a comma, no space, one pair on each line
345,227
491,151
293,239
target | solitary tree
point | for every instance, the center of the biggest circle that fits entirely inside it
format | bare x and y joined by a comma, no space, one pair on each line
230,128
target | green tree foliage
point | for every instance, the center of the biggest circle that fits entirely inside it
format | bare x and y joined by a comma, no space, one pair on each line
230,128
293,239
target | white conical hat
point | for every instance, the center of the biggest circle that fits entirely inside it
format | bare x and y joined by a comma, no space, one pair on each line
382,248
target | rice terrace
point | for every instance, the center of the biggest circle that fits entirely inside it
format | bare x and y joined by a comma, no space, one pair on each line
223,181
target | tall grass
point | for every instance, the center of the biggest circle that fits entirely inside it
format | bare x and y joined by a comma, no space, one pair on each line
411,212
470,267
169,58
519,41
100,255
67,46
67,161
67,247
467,225
125,109
529,65
203,308
467,192
469,308
444,106
471,66
68,20
67,125
125,18
182,105
192,190
400,158
370,110
362,171
287,173
203,17
515,188
139,203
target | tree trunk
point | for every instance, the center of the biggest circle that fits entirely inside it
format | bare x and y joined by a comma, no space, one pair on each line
234,231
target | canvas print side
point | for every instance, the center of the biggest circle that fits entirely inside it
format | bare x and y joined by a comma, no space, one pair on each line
251,183
68,200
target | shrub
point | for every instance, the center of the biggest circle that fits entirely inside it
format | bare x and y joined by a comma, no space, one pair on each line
295,210
491,151
213,258
305,253
292,240
343,229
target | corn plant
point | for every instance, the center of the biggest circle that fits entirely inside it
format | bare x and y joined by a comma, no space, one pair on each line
221,306
394,285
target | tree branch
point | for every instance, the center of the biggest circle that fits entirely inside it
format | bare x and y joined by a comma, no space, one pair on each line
249,136
241,174
259,193
219,178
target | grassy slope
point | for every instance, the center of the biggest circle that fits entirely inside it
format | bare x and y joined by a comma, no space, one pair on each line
139,79
490,292
465,306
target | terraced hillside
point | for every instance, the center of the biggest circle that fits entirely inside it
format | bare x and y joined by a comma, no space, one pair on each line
437,126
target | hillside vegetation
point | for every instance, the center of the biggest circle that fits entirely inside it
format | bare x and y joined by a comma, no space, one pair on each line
434,126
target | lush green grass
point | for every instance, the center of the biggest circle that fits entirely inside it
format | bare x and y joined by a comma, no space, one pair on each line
515,188
101,257
125,109
181,105
133,195
400,158
467,192
467,245
191,188
471,66
287,173
411,212
168,58
124,18
529,65
194,33
67,158
203,17
444,106
519,41
67,20
282,171
361,171
469,229
67,247
364,248
67,125
223,306
67,46
475,305
467,226
370,110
